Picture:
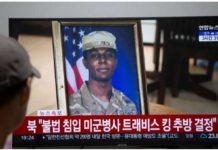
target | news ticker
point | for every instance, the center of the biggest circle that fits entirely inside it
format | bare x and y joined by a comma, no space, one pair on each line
119,124
179,137
153,139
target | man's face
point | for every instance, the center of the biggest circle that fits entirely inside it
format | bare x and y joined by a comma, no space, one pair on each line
101,63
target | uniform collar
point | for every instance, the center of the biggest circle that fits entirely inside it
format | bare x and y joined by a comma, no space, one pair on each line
92,105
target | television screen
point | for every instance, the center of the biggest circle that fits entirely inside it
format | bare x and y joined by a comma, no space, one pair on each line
136,82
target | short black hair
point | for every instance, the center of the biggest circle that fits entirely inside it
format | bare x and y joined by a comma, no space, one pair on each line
86,53
10,93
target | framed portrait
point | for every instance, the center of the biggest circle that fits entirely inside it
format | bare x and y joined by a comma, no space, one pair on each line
71,75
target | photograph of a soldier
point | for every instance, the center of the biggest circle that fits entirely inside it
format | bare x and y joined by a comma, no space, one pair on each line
97,96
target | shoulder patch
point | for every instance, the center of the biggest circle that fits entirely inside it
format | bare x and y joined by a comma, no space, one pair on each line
77,95
128,106
75,98
75,105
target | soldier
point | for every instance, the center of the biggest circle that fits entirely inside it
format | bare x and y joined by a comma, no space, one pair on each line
16,73
97,96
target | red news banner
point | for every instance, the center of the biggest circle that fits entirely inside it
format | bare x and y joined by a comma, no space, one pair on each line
119,124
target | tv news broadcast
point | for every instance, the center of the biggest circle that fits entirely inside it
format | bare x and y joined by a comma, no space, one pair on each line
136,82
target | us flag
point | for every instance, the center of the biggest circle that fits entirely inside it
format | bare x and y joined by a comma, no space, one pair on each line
76,73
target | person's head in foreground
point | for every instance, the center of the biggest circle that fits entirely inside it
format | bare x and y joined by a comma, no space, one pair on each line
16,73
97,96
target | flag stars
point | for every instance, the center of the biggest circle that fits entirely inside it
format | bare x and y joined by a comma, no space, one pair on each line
80,45
74,53
66,28
81,33
65,38
74,41
74,29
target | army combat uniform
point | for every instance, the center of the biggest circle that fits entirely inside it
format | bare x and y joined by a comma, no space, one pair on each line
83,103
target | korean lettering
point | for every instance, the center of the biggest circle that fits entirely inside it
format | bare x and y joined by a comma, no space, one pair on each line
144,124
115,125
187,124
136,124
46,125
199,124
76,125
182,124
32,126
154,126
88,125
204,124
53,113
127,125
67,126
55,124
106,125
96,124
72,125
111,124
208,124
178,124
166,123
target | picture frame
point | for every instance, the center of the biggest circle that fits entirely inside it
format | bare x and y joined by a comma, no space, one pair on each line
129,76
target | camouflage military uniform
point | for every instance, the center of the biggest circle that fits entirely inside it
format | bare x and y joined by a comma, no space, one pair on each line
83,103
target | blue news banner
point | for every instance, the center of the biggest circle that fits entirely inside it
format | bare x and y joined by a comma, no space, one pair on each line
208,36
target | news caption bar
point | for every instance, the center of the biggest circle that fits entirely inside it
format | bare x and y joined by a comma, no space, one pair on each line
119,124
208,33
208,36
